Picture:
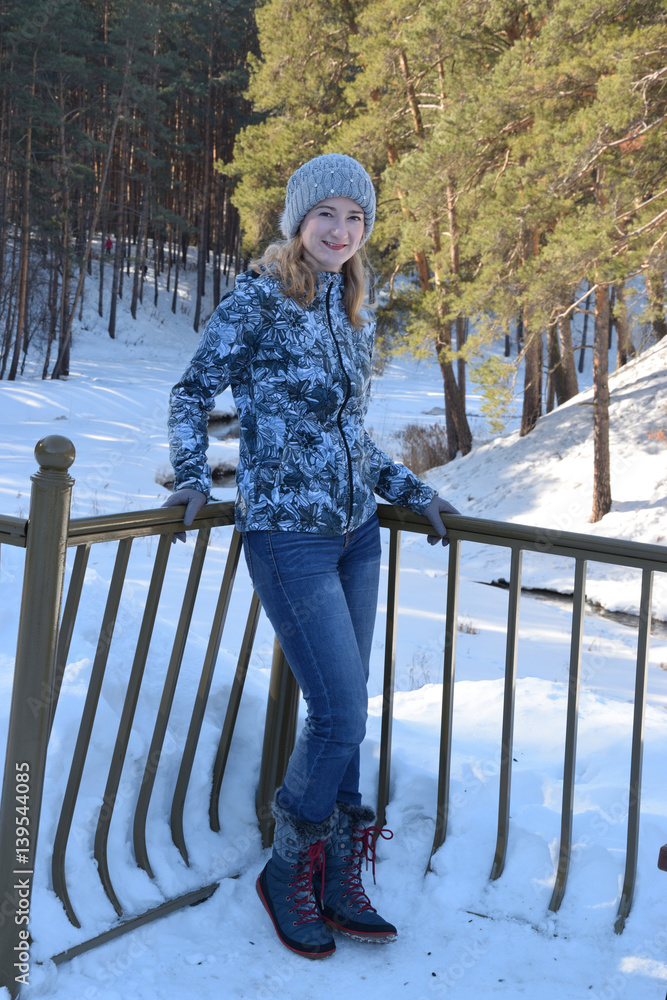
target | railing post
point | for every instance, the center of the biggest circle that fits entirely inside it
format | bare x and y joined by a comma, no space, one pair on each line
279,738
32,705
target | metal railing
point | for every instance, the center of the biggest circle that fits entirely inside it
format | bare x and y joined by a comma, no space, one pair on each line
44,637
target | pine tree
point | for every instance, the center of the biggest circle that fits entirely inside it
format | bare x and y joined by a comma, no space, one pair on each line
297,90
102,126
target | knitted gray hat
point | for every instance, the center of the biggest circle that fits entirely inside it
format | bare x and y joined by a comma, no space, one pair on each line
332,175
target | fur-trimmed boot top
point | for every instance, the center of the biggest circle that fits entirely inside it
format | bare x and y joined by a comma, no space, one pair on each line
285,886
344,903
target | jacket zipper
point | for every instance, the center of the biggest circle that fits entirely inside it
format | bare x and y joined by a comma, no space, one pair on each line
339,420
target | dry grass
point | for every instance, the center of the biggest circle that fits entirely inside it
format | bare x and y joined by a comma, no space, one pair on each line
423,446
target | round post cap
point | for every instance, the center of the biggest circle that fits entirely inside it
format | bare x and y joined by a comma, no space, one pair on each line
55,452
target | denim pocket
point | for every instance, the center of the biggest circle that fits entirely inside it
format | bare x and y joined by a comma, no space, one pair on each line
248,557
270,544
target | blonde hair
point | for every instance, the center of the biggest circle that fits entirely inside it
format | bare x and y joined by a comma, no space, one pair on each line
284,259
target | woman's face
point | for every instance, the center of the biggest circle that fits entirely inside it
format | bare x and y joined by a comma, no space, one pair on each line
331,233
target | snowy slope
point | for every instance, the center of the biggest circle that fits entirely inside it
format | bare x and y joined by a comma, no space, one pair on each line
459,934
546,479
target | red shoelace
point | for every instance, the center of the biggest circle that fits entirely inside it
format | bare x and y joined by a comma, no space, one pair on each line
305,905
366,840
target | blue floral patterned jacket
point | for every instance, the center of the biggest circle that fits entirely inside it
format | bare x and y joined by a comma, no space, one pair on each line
301,380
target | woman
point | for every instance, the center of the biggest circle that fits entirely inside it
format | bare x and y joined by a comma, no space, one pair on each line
294,343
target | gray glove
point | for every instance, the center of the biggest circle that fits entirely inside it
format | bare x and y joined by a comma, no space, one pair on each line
192,500
437,507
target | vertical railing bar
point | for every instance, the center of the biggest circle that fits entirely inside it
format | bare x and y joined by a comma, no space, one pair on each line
643,641
127,716
449,662
282,713
67,622
508,714
194,729
569,764
166,701
107,626
24,768
389,670
232,711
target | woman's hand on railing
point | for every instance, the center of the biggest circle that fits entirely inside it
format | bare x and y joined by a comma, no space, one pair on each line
437,507
192,500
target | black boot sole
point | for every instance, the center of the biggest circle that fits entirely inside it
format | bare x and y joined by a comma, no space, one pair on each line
369,937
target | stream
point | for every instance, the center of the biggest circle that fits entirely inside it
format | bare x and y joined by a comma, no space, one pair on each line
658,627
223,426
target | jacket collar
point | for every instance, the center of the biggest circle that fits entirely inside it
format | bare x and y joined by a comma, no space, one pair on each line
326,280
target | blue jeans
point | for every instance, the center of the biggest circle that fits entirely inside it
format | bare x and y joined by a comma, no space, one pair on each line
320,595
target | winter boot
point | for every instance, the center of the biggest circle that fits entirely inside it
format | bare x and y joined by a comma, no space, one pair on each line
344,904
285,886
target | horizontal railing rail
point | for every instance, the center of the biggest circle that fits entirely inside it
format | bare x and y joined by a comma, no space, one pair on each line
13,531
45,637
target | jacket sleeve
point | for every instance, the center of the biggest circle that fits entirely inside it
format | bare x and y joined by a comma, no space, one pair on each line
218,362
396,483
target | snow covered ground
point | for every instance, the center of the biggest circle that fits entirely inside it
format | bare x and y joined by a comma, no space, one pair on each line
460,935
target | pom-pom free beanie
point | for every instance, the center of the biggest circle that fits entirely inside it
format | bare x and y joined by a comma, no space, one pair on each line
333,175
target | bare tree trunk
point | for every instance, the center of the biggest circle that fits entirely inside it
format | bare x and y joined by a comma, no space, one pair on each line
169,261
459,436
63,342
174,298
557,384
217,252
532,383
107,215
205,199
621,321
11,305
157,255
655,290
53,312
120,239
601,458
587,306
103,254
461,337
4,185
443,345
25,238
140,253
63,345
93,226
553,355
413,100
461,331
532,380
567,365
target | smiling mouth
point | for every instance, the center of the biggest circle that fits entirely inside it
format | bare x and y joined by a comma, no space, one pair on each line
334,246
